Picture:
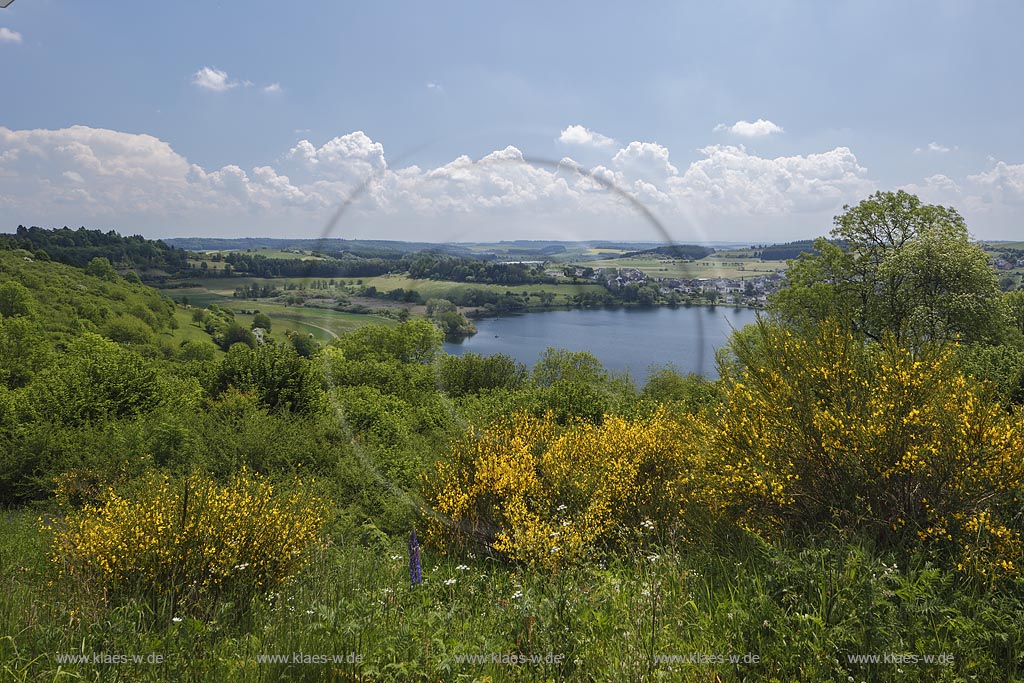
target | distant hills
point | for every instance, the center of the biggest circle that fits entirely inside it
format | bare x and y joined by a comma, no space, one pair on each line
159,260
784,252
378,248
683,251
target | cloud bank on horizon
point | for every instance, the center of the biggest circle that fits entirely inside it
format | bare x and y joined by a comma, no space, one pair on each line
138,183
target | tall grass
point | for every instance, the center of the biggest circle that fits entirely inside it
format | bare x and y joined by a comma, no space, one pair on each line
802,609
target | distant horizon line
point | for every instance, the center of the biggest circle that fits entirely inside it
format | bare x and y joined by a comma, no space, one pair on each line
751,243
513,241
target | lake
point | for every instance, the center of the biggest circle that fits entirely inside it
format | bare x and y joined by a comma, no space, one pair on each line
623,339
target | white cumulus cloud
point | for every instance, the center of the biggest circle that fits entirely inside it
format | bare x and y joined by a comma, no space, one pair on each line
736,182
9,36
578,135
273,89
747,129
351,157
1004,183
212,79
933,147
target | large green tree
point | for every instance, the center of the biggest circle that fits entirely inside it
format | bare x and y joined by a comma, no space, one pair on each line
25,350
275,374
415,341
94,380
472,373
15,299
896,266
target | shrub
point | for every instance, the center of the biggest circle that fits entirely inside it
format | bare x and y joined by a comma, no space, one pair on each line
126,329
96,379
25,350
187,544
1002,365
236,334
262,320
691,392
276,374
101,268
472,373
549,494
197,350
304,345
416,341
15,300
824,431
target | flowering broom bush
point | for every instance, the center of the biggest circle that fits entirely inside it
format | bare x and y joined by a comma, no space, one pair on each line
548,494
826,432
191,542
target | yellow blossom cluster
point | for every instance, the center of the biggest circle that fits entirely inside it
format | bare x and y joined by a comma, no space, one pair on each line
876,438
548,494
192,537
990,550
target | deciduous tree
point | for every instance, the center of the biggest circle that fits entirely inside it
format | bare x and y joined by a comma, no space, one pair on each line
896,265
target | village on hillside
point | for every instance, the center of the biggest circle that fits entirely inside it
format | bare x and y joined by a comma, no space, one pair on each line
752,290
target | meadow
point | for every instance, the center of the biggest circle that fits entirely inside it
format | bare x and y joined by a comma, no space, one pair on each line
323,323
436,288
714,266
661,611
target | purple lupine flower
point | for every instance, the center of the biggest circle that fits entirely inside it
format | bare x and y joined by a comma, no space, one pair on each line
415,571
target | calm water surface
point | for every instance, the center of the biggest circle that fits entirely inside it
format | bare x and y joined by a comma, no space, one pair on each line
623,339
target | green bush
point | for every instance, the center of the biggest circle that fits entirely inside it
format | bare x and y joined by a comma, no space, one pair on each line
275,374
94,380
472,374
126,329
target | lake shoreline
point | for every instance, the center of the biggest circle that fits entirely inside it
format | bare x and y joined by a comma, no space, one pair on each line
630,339
478,313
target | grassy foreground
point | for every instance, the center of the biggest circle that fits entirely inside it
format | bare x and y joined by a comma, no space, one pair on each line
661,612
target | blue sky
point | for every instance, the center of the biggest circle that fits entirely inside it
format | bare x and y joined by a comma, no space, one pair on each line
730,121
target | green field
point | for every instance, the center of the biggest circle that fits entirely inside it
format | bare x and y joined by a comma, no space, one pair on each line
437,288
323,324
712,266
996,247
220,290
224,287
